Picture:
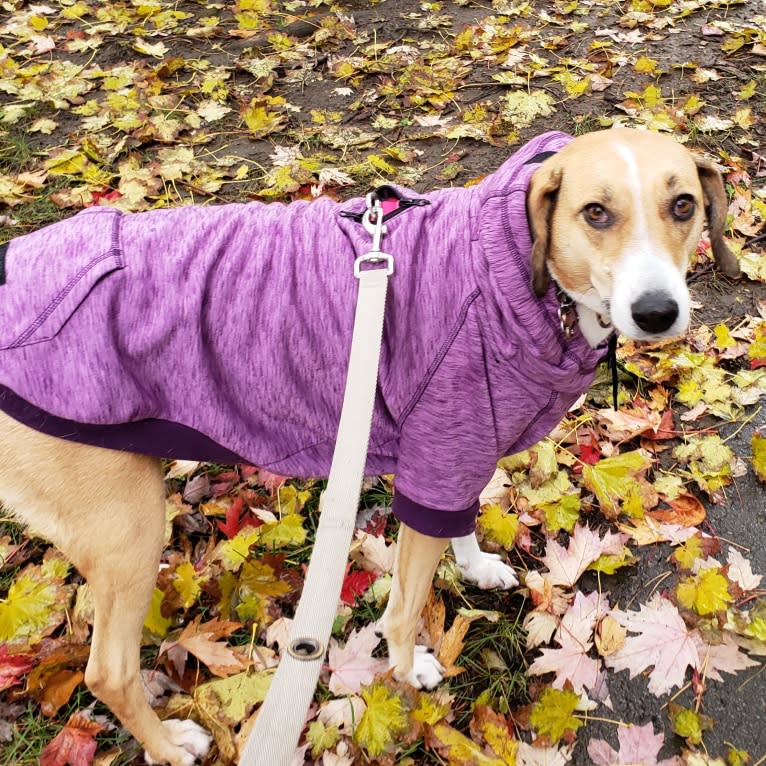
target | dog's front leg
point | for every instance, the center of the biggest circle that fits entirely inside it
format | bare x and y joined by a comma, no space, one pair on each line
487,570
417,556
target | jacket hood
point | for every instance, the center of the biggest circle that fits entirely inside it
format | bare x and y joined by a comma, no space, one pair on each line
518,321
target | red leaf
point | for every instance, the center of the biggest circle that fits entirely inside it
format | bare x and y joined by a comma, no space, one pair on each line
233,523
12,667
105,194
590,453
74,744
354,584
756,363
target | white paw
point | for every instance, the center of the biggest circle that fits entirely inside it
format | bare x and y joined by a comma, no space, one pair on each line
487,570
427,672
187,735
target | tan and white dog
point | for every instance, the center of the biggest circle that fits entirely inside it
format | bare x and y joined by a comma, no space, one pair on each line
614,217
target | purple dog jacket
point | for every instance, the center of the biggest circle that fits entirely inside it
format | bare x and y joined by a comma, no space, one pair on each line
222,333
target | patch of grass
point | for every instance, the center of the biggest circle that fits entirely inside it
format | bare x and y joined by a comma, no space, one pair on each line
30,216
494,668
17,155
16,152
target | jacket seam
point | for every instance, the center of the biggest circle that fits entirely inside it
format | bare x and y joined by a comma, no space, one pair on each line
62,294
434,366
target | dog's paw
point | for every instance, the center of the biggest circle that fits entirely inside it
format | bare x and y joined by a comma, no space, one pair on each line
488,570
427,672
190,738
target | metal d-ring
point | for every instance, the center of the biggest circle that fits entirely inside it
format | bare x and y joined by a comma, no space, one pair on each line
305,649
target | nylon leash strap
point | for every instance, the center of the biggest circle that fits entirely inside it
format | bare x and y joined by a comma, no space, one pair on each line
275,735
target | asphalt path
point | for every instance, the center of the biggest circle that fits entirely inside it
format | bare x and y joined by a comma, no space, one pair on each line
738,705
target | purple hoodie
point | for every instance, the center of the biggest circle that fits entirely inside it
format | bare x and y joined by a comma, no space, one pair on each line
222,333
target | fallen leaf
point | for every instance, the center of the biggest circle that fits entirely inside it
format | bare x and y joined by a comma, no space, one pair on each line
741,572
685,510
552,716
353,666
74,745
202,641
663,643
638,745
384,719
566,565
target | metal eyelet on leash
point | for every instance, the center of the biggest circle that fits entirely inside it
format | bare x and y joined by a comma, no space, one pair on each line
306,649
372,220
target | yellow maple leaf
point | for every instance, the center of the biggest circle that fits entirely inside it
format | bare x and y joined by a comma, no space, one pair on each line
614,478
553,713
688,724
746,91
260,121
233,553
645,65
759,455
384,718
321,737
230,699
521,108
154,622
689,552
706,592
499,525
709,461
562,514
70,162
609,563
290,499
457,748
36,603
186,582
723,339
287,531
429,710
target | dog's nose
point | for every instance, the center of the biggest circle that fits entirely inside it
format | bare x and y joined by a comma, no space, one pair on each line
654,311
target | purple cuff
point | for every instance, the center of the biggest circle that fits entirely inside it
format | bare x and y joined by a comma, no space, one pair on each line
433,522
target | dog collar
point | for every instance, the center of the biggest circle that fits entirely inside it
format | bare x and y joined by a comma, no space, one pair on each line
568,319
567,313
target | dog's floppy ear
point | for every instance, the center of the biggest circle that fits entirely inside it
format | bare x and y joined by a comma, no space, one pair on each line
716,206
541,199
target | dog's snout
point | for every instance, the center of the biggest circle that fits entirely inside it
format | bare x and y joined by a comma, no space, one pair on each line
654,311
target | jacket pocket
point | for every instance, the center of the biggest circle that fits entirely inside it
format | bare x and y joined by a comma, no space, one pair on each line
50,272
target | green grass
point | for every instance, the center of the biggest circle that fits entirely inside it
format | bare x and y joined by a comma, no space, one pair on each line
17,155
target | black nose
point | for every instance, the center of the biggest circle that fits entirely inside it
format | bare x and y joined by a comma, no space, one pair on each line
654,311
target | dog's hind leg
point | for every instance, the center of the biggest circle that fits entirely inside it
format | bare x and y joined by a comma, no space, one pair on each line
106,511
417,556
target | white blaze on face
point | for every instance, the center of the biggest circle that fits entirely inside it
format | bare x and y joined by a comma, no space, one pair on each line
645,266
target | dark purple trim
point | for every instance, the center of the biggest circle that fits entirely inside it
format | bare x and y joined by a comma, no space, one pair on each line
3,252
433,522
160,438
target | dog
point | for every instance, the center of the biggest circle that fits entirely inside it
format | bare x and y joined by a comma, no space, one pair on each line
221,333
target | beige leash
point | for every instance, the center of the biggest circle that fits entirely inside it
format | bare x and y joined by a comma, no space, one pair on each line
274,736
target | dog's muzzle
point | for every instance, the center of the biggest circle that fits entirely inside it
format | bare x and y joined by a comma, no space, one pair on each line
654,311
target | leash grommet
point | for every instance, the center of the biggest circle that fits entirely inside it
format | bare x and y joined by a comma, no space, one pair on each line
305,649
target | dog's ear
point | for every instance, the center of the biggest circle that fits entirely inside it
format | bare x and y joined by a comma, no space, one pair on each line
716,206
541,200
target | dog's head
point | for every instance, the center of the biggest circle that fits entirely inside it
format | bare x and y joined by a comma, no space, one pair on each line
615,216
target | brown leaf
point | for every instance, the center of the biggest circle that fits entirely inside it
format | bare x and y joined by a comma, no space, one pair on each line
686,510
202,641
58,689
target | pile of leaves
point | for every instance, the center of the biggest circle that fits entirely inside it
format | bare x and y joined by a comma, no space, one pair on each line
147,104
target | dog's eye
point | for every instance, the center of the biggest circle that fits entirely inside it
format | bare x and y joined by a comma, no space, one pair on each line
683,207
597,215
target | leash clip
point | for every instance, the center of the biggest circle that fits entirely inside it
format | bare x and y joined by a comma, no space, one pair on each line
372,220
